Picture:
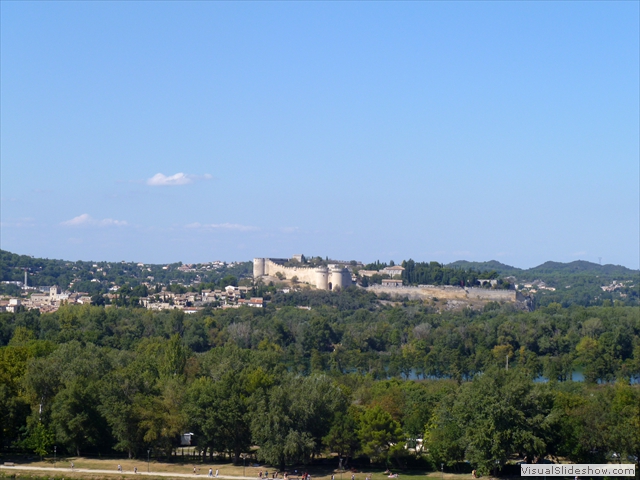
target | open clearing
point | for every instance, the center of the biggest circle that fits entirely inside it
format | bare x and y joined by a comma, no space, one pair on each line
108,468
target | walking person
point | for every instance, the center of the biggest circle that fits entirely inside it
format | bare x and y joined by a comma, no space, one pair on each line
217,471
211,472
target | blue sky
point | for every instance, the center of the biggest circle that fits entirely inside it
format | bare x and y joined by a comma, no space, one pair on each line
179,131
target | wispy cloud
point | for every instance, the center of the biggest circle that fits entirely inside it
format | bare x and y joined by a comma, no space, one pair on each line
161,180
86,219
20,222
223,226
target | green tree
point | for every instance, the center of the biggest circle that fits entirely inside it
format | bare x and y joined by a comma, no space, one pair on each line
75,417
380,435
121,390
40,439
290,422
162,419
583,425
588,357
343,435
499,413
624,422
175,357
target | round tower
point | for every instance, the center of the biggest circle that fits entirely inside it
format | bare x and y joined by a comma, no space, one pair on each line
258,267
336,278
322,278
346,278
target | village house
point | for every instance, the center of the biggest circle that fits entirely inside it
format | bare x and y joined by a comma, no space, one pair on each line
392,271
254,302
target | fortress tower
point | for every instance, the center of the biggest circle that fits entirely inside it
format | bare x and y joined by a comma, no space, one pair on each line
322,278
258,268
336,277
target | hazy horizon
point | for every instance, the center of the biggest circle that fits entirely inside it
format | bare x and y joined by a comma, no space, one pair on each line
397,261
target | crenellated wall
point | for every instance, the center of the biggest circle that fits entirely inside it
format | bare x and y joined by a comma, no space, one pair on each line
320,277
305,275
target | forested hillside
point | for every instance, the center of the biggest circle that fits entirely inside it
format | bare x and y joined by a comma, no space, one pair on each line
353,375
574,283
549,271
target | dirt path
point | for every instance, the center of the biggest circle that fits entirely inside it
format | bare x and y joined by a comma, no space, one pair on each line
112,472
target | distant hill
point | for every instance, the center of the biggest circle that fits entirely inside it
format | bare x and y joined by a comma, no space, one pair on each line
552,269
502,269
582,266
573,283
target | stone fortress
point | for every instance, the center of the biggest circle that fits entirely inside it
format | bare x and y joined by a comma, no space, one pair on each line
323,278
337,275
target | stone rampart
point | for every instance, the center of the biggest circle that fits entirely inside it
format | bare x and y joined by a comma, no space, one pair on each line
321,277
304,274
495,295
422,292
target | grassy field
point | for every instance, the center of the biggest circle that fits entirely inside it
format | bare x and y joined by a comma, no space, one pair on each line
317,472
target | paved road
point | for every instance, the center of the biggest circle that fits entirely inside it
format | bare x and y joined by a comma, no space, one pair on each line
115,472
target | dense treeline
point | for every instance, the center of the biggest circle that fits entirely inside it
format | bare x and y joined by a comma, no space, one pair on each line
350,376
434,273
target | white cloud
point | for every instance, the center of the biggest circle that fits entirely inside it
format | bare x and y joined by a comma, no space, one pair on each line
223,226
20,222
110,222
161,180
86,219
83,219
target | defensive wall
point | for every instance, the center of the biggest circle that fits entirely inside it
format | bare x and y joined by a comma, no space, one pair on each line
422,292
322,278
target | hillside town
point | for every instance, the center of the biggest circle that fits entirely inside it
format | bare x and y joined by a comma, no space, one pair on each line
50,299
218,285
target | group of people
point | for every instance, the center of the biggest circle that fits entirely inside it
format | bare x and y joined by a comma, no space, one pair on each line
210,474
274,475
135,469
285,476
